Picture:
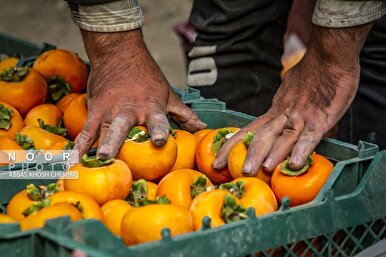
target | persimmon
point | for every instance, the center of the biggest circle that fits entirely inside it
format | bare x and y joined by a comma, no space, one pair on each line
50,114
201,133
6,219
303,185
182,186
113,212
219,205
10,120
151,190
9,146
253,192
23,88
144,224
65,72
64,145
102,180
141,192
65,101
38,138
186,150
75,116
206,152
291,61
37,219
27,197
8,63
88,207
237,157
144,159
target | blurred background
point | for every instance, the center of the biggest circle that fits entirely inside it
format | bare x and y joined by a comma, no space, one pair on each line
50,21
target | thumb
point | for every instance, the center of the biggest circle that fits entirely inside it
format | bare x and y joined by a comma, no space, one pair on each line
183,115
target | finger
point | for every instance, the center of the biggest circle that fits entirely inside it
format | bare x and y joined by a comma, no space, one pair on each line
105,126
284,144
158,127
261,145
89,133
305,145
183,115
222,155
116,135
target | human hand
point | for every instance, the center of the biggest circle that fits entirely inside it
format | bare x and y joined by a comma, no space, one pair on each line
312,98
127,88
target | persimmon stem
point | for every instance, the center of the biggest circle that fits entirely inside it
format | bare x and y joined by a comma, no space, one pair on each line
236,189
137,193
232,211
38,193
95,162
58,130
36,207
284,167
58,88
14,74
5,117
24,141
138,135
221,137
198,186
69,145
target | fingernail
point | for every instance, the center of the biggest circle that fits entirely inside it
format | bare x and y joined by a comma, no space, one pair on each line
247,168
294,163
217,164
104,152
159,138
268,163
203,124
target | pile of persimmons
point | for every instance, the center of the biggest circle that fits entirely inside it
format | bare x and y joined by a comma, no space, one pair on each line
145,188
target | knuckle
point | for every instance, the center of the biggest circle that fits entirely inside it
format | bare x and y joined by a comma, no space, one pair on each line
105,125
85,137
293,122
267,129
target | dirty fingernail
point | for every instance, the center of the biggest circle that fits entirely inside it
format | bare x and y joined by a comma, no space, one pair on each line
247,168
104,152
218,164
159,138
202,124
268,164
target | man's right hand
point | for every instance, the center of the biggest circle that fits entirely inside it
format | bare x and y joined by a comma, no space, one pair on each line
311,99
127,88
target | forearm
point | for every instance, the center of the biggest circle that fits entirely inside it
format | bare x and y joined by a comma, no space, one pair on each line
104,48
338,45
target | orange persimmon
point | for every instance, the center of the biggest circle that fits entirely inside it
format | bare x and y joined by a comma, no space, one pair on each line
303,185
206,152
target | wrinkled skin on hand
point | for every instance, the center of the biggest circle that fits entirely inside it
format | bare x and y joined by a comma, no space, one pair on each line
312,98
127,88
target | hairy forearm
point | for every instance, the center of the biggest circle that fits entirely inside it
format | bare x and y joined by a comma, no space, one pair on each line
332,57
338,46
113,46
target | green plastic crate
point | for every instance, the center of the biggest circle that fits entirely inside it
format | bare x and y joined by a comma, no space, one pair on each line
347,216
323,216
13,46
337,226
